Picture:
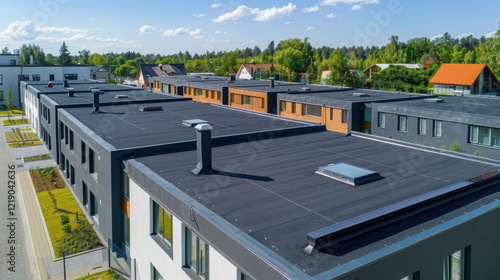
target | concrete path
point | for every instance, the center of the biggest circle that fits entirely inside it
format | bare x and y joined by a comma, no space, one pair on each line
23,262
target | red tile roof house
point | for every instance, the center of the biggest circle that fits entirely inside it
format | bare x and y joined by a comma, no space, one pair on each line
465,79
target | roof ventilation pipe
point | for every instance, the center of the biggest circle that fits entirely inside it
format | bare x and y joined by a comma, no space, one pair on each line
71,92
96,101
66,83
203,150
272,82
233,78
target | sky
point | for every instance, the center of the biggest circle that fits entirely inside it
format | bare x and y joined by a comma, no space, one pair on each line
167,27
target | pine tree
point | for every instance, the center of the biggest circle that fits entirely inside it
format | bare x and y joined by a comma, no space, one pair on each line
64,54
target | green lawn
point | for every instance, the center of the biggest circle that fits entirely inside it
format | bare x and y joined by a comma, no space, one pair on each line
25,144
12,112
65,204
30,136
107,274
13,137
16,121
38,157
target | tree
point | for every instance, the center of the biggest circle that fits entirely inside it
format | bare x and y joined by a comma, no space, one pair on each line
9,99
64,54
229,63
84,56
5,50
341,74
31,50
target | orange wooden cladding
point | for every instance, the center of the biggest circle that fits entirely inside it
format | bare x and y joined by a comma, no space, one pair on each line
126,206
258,100
208,96
331,117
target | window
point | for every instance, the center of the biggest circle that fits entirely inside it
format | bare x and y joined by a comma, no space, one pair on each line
436,128
455,265
484,136
294,107
83,152
94,206
196,254
218,95
66,136
422,126
23,77
1,80
71,76
381,119
61,130
93,163
85,194
403,123
125,185
62,163
72,175
413,276
199,92
162,223
233,97
51,77
344,116
155,275
311,110
67,169
13,62
243,276
71,140
1,95
367,115
246,100
283,106
126,228
36,77
48,115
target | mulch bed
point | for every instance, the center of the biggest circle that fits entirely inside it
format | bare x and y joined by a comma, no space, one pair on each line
42,183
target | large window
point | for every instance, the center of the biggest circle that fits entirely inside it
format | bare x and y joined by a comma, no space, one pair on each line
381,119
125,185
311,110
162,223
367,115
422,126
197,254
155,275
36,77
403,123
1,95
484,136
94,206
283,106
51,77
71,76
85,192
246,100
344,116
436,128
126,228
93,163
455,265
83,152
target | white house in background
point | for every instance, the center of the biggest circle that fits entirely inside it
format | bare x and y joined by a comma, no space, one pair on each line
250,70
100,73
10,76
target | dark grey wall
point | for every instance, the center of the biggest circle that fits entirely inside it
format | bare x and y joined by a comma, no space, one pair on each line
454,127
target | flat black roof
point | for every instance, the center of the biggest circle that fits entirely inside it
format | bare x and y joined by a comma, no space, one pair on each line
274,195
346,95
115,97
81,87
284,87
134,128
487,106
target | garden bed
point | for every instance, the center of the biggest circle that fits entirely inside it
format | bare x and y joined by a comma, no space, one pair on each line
38,157
25,144
16,121
59,209
104,275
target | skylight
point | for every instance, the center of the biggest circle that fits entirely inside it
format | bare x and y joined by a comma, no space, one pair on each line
349,174
193,123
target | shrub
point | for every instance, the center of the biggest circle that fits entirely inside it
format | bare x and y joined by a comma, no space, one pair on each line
48,172
66,228
454,147
64,219
477,153
443,147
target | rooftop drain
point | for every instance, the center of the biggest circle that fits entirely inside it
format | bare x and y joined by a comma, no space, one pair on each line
361,94
433,100
348,174
118,96
346,230
150,108
193,123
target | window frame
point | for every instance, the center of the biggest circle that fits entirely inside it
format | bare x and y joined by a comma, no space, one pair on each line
200,262
1,80
306,113
158,216
405,122
435,125
381,119
422,129
246,100
345,116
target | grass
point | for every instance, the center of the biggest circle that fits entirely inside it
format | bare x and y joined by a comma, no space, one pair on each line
25,128
30,136
16,121
25,144
13,137
38,157
56,201
12,112
107,275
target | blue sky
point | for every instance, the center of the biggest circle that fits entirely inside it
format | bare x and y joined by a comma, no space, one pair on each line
167,27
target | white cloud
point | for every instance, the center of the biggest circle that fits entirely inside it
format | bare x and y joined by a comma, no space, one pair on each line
357,7
27,30
183,32
349,2
287,22
492,34
465,35
200,15
146,29
436,37
331,16
311,9
274,13
310,28
218,32
215,6
261,15
240,12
